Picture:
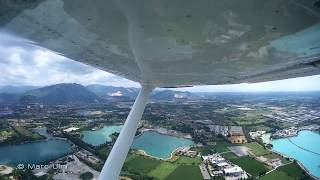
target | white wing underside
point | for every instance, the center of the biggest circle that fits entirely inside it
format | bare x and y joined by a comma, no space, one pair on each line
176,42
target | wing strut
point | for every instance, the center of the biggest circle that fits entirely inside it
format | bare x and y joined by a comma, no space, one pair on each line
117,156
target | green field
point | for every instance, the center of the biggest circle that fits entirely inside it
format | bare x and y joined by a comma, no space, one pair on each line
141,164
272,156
221,147
204,150
229,155
250,165
140,167
185,172
274,175
188,161
249,118
104,152
163,170
292,170
257,149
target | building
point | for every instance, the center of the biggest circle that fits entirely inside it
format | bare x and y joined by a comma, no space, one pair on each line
236,135
234,171
70,129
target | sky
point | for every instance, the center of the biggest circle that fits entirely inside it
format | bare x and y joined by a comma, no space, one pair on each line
22,64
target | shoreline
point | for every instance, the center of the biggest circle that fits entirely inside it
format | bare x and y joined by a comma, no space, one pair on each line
172,154
168,132
300,164
294,135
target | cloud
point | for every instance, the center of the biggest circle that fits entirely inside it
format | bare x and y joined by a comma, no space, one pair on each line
23,63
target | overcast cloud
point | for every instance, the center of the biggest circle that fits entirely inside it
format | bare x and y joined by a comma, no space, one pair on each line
30,65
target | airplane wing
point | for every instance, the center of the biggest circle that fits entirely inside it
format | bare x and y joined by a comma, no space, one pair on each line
176,42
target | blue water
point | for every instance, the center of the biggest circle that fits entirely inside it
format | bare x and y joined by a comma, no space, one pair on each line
159,145
306,139
100,136
36,152
153,143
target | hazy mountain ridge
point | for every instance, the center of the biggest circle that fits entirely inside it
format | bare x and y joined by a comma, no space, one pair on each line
16,89
60,94
105,91
75,93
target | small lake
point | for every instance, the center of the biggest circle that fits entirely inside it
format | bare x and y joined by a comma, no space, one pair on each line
308,155
100,136
34,152
153,143
159,145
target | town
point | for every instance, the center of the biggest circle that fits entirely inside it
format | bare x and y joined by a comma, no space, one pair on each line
232,136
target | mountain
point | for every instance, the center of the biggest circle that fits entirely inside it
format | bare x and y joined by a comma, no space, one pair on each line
112,91
75,93
60,94
16,89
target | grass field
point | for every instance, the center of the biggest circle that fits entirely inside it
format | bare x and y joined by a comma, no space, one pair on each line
221,147
249,118
166,168
141,164
23,131
163,170
257,149
183,168
185,172
229,155
292,170
204,150
274,175
188,160
250,165
272,156
104,153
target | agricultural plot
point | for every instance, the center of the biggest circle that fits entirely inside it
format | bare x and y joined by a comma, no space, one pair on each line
250,165
185,172
141,164
163,170
276,175
292,170
257,149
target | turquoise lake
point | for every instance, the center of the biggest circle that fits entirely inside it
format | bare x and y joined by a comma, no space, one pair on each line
35,152
153,143
308,140
100,136
159,145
